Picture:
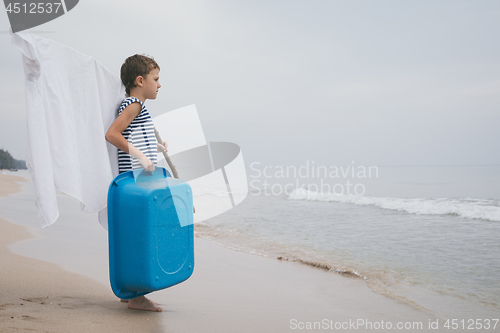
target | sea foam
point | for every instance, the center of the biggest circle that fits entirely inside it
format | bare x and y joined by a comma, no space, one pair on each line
474,208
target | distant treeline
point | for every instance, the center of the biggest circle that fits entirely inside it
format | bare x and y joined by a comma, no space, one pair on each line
8,162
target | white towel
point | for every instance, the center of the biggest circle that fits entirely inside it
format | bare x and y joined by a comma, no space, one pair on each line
71,100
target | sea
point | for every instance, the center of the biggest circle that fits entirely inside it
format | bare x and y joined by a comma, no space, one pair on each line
428,236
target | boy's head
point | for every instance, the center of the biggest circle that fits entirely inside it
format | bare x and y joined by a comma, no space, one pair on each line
134,66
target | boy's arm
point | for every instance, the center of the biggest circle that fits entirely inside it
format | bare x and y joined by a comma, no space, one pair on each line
115,137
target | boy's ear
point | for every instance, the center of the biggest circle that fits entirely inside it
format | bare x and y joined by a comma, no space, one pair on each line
139,81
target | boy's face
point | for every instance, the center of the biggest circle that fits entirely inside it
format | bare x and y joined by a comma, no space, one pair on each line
152,84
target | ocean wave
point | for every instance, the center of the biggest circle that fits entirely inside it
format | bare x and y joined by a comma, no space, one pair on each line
474,208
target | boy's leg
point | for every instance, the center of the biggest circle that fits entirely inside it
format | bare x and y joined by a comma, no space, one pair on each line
143,303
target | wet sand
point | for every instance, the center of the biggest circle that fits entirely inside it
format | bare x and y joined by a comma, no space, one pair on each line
229,291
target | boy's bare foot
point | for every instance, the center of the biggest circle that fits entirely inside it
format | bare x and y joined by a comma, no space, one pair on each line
126,301
143,303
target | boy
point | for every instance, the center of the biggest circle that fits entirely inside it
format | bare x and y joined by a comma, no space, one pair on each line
133,131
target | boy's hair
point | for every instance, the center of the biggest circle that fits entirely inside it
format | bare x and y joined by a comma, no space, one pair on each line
134,66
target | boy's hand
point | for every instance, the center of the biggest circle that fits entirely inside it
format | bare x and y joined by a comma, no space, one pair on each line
147,163
162,147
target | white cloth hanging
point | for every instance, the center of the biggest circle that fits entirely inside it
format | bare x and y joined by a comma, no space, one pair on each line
71,100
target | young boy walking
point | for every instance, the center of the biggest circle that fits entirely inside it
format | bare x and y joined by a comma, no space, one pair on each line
133,131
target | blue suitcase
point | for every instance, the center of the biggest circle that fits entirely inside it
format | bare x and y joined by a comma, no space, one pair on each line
150,230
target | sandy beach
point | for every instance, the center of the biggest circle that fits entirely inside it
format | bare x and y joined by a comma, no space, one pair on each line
67,290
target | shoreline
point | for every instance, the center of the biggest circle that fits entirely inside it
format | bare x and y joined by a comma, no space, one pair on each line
229,291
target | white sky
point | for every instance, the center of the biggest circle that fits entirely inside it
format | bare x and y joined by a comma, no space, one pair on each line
375,82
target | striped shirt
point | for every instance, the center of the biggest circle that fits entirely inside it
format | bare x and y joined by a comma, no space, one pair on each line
140,134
